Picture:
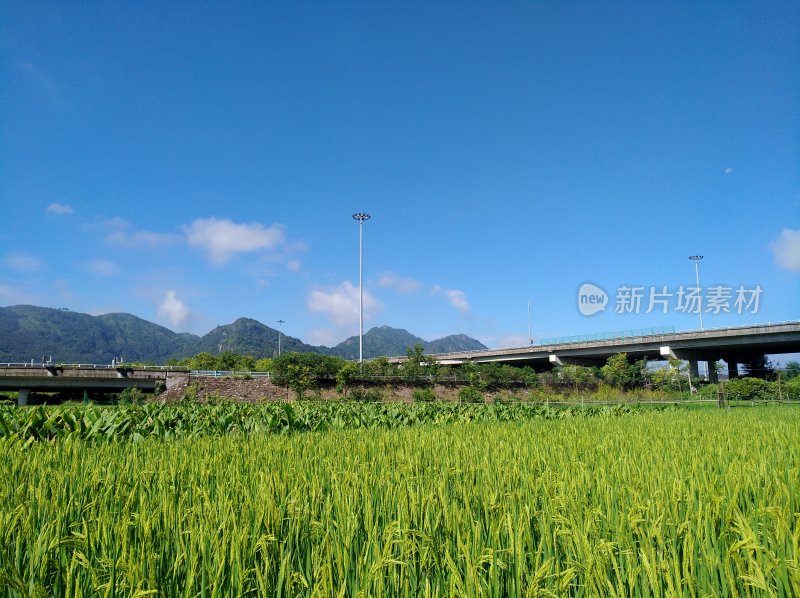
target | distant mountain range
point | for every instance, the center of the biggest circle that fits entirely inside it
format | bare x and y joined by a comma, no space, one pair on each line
384,340
29,332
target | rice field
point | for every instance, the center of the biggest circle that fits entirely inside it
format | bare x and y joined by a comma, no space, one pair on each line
663,503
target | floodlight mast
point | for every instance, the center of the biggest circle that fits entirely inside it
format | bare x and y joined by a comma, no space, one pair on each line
696,259
361,217
280,323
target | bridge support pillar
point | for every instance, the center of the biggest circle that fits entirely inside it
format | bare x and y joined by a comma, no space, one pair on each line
22,396
694,371
713,378
733,369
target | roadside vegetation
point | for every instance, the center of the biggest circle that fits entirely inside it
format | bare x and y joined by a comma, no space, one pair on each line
619,379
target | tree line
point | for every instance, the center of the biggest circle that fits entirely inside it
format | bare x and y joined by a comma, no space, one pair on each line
303,372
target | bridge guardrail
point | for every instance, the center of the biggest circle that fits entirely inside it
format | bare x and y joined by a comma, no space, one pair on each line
94,366
228,374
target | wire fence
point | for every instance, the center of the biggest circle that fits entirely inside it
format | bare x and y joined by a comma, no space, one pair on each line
606,336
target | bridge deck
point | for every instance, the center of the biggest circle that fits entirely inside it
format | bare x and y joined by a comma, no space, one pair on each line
739,341
55,377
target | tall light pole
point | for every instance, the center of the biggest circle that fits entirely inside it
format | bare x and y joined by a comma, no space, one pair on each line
361,217
696,259
530,336
280,323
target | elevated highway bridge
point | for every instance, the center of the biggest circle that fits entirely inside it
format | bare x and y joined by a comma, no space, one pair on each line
733,345
24,378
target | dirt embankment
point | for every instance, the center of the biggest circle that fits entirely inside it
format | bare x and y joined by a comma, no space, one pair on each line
259,389
240,389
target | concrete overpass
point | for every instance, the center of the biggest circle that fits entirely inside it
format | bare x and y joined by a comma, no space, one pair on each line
24,378
734,345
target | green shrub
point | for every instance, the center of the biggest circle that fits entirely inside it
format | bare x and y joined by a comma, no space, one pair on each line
709,391
470,394
191,392
744,389
368,395
425,395
131,395
790,389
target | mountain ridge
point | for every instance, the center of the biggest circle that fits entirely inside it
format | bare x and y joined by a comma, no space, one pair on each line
33,332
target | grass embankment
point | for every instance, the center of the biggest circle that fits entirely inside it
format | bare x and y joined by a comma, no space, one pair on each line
645,504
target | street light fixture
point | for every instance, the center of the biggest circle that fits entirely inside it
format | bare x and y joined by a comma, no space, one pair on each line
280,323
361,217
696,259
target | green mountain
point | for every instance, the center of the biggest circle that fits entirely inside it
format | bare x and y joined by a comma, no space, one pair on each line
393,342
250,337
379,341
453,343
29,333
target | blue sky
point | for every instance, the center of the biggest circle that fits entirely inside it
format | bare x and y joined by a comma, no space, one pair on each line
192,163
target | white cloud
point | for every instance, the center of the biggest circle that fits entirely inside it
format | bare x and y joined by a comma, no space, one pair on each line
398,283
102,267
323,336
59,209
786,249
728,170
173,310
222,239
23,263
142,238
294,265
456,298
340,303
